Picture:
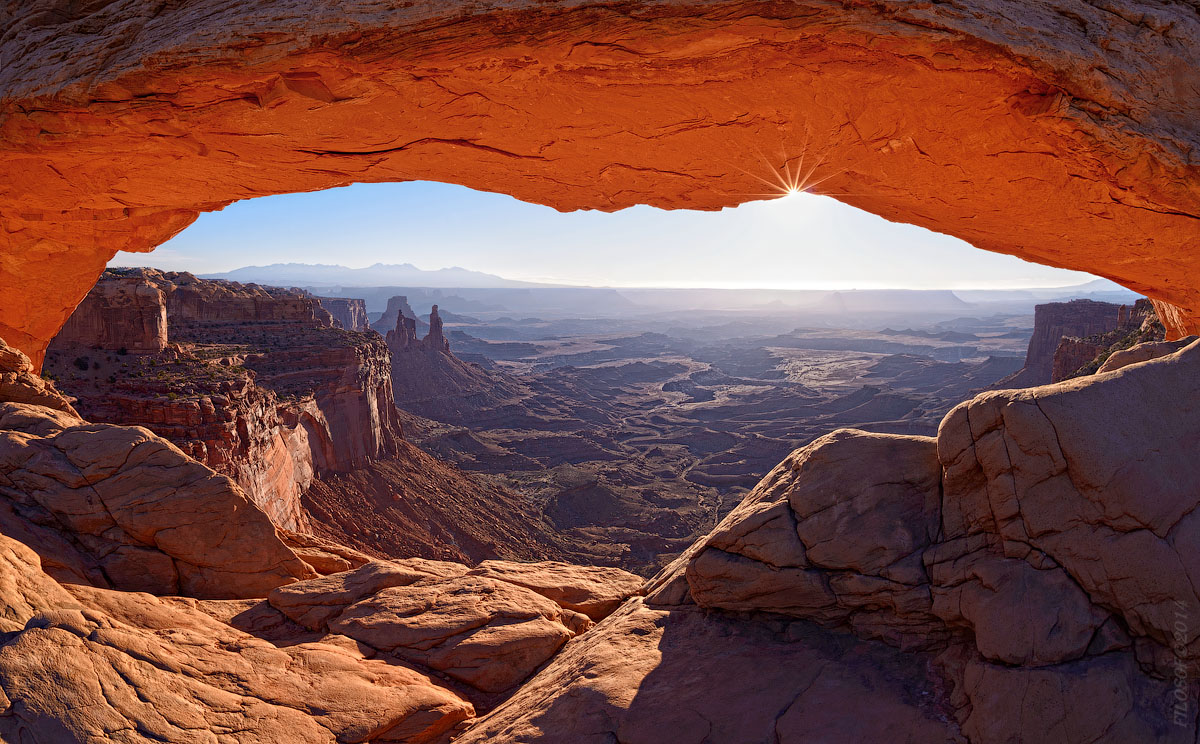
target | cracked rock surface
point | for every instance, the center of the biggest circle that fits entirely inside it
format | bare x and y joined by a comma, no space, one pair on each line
104,666
484,627
1062,131
1025,576
644,674
117,506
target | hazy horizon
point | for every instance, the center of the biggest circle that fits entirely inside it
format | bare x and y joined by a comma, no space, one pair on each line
800,242
534,285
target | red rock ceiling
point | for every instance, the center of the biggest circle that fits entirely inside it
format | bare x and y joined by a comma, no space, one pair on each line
1061,131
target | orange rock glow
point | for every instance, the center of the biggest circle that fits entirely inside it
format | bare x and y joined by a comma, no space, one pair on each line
1064,135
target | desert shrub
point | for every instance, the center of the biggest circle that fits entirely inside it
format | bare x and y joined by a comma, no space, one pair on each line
81,364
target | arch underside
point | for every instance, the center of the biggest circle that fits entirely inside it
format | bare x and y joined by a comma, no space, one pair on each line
1063,132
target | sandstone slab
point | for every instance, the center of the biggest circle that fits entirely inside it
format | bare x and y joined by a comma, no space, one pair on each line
835,534
133,668
487,633
594,591
644,676
132,507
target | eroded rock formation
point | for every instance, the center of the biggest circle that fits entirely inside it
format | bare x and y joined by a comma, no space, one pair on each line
427,377
126,311
403,337
256,384
350,314
999,557
397,306
117,506
121,122
87,664
1053,322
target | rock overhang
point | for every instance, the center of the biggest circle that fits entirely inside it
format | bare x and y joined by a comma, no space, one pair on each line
1063,133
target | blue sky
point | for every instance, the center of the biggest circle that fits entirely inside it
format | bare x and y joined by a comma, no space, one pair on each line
798,242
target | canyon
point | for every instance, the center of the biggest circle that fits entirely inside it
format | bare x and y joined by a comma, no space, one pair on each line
973,565
258,384
634,442
890,585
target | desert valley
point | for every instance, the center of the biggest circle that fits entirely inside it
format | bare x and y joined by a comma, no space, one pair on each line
613,444
677,480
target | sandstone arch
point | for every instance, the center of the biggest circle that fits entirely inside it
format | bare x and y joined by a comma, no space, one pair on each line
1062,131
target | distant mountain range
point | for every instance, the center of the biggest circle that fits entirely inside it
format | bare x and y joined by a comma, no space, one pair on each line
1097,289
460,290
332,275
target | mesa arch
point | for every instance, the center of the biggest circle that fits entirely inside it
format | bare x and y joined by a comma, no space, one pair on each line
1063,131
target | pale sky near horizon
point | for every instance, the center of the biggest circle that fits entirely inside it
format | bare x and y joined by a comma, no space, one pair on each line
799,242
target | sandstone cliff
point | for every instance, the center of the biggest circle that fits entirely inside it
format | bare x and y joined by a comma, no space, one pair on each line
1052,322
127,311
397,307
257,383
117,506
350,314
1136,324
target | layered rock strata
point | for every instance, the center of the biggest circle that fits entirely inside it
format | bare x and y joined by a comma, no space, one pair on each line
486,633
126,312
117,506
86,664
349,314
1054,321
1136,324
257,383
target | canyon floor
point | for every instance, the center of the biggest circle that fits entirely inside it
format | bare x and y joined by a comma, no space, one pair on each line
633,443
237,513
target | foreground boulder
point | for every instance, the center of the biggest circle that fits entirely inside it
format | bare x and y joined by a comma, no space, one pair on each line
834,534
646,676
104,666
595,591
117,506
1032,560
484,627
